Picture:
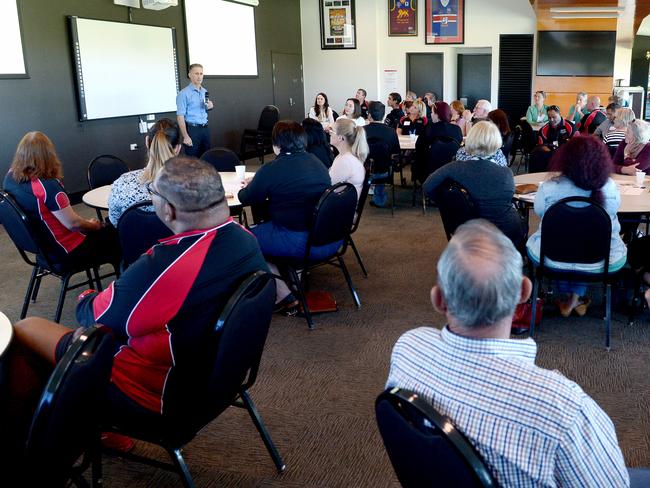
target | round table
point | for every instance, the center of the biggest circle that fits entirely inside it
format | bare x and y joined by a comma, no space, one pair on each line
6,333
98,197
633,199
407,143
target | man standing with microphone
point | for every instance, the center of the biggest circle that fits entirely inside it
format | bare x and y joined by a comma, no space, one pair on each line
192,106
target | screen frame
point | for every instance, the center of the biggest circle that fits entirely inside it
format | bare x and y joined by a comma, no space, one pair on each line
537,73
25,75
257,57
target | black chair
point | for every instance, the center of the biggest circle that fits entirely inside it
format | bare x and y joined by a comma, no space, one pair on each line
332,222
455,205
424,446
576,234
221,158
508,142
525,142
441,151
66,422
381,162
26,239
104,170
260,138
138,230
365,189
335,114
237,340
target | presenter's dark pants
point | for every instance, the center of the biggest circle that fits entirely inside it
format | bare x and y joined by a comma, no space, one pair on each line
200,136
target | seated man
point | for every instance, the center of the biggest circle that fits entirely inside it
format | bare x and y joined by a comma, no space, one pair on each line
594,116
480,112
163,306
394,102
549,137
532,426
378,133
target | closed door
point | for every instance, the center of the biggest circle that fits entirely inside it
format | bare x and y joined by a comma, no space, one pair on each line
474,78
288,85
424,73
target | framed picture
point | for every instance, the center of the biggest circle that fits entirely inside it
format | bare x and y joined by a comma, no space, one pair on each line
444,22
402,18
337,24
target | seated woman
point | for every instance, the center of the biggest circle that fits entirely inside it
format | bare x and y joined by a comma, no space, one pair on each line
322,112
352,111
163,142
350,142
497,157
317,141
440,125
490,186
457,109
500,119
634,152
34,180
536,113
414,120
290,185
617,132
584,165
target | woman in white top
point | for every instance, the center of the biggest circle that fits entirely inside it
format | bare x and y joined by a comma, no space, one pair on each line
352,111
350,141
322,111
163,142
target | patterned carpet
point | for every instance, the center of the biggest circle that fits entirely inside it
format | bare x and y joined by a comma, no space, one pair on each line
316,389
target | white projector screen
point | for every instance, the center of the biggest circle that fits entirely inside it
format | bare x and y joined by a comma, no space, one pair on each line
123,69
12,61
221,37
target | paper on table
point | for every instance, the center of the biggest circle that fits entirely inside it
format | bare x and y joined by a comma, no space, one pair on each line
528,197
630,189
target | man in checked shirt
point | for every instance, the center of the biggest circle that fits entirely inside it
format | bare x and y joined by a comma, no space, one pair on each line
532,426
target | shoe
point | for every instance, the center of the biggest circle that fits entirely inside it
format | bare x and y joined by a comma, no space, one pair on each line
564,307
286,305
117,442
582,306
519,330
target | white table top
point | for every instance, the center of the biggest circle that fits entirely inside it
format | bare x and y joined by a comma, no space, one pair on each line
407,142
633,198
6,332
98,198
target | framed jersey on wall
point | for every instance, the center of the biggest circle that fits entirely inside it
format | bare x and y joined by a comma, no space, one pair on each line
402,18
444,22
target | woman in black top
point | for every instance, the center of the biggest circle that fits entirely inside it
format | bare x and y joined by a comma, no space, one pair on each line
317,143
414,120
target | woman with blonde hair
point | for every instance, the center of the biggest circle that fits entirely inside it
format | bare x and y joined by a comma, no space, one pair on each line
490,186
476,148
633,154
414,120
163,142
34,181
348,166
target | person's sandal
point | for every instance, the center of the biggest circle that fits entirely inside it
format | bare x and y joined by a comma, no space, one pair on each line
287,306
564,307
582,306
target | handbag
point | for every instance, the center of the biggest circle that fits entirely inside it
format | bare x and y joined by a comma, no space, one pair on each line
524,313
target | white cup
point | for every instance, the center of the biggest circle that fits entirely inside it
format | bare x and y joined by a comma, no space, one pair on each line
640,175
241,172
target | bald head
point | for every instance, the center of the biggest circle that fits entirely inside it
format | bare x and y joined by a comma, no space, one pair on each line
593,102
479,274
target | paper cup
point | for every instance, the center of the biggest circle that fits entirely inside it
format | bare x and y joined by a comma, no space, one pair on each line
241,172
640,175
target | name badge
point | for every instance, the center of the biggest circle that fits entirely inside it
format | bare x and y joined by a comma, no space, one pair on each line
407,122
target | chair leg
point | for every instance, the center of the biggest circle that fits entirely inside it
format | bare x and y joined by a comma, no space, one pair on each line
28,293
533,315
181,468
392,201
261,428
344,268
356,253
608,315
65,281
98,280
37,287
301,296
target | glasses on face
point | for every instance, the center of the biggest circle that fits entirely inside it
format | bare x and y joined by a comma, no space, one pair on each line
153,191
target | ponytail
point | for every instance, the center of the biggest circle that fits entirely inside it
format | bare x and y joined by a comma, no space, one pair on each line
163,138
360,146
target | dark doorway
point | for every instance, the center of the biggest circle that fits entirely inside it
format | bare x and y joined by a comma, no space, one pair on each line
515,73
474,78
288,90
424,73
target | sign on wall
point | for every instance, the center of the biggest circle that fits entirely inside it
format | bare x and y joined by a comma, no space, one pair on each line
402,17
445,22
337,24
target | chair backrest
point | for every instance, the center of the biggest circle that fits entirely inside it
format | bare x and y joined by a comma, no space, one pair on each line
361,202
18,226
221,158
333,216
528,139
268,118
455,204
441,151
379,153
138,230
576,230
67,418
425,448
335,114
508,141
104,170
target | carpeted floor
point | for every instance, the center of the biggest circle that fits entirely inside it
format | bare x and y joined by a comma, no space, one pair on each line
316,389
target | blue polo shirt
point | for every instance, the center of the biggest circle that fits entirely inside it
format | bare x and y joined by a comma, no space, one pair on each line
190,103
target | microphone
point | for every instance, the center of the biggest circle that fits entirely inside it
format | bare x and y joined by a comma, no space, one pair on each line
207,97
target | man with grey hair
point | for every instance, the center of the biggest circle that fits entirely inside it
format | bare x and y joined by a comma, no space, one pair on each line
480,112
532,426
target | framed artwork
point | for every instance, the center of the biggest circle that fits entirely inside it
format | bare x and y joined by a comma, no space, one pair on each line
337,24
445,22
402,18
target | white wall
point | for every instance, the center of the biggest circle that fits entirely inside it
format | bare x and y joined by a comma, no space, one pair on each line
340,72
